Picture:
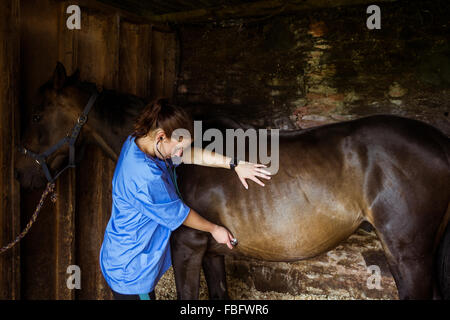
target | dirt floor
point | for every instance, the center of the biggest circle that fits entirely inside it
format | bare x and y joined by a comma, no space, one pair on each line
347,272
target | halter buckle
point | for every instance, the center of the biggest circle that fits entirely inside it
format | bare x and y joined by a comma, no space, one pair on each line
82,119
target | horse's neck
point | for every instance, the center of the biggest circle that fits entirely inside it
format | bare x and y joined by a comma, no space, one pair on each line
105,142
111,121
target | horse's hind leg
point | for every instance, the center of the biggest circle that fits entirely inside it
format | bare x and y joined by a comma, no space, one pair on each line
413,275
408,247
214,270
188,247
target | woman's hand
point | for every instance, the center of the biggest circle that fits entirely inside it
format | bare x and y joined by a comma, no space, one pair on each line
249,170
222,235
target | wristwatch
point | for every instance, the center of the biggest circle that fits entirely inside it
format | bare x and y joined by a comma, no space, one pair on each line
233,163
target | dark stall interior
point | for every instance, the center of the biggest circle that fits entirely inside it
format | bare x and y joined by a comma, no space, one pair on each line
302,63
319,66
269,64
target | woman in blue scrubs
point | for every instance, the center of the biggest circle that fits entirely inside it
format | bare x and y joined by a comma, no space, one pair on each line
146,206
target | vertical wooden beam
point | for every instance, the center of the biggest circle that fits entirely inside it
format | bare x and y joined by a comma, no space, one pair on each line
65,234
39,53
66,183
135,58
163,64
98,60
98,48
9,110
169,64
67,39
157,77
93,212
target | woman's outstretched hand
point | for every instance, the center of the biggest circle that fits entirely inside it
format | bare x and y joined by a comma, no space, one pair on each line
222,235
249,170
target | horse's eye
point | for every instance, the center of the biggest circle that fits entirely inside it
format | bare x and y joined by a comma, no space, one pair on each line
36,118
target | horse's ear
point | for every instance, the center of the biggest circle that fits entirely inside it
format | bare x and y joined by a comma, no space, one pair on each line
59,76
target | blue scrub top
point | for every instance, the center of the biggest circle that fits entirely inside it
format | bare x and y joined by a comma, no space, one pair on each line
145,210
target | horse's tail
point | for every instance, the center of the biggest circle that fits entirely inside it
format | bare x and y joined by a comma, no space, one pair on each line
443,253
443,262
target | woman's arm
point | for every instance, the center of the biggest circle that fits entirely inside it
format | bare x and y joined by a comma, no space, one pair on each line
244,170
205,157
219,233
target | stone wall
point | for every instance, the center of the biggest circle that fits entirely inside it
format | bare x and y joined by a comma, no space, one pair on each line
321,66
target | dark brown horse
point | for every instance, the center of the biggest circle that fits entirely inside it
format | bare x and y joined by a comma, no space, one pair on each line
391,171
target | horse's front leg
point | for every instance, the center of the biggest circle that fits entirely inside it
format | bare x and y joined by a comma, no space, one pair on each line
188,247
215,275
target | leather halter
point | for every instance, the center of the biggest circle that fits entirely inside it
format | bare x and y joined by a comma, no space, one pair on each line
70,139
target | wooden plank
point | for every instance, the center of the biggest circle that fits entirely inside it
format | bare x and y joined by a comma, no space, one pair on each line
135,58
157,61
65,234
169,64
163,64
98,48
9,109
98,60
66,183
93,212
67,40
38,56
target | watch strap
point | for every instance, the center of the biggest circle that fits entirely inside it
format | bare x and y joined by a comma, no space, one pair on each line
233,163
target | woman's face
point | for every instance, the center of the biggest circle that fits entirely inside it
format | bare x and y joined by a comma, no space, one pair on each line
173,147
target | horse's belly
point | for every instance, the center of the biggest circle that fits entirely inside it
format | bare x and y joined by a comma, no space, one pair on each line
297,215
294,234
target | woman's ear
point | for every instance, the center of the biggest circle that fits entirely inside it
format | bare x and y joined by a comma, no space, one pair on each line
160,135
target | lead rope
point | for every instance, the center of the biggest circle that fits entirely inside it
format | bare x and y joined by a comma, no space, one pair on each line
49,189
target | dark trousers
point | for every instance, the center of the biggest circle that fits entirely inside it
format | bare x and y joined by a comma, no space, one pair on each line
120,296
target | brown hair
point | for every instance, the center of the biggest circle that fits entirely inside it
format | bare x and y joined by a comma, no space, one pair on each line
160,114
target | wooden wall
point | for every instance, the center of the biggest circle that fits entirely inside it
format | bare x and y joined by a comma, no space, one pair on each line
9,125
116,52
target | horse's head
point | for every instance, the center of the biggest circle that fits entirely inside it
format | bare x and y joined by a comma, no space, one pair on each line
59,103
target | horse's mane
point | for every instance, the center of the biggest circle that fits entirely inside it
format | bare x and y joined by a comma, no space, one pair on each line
116,108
